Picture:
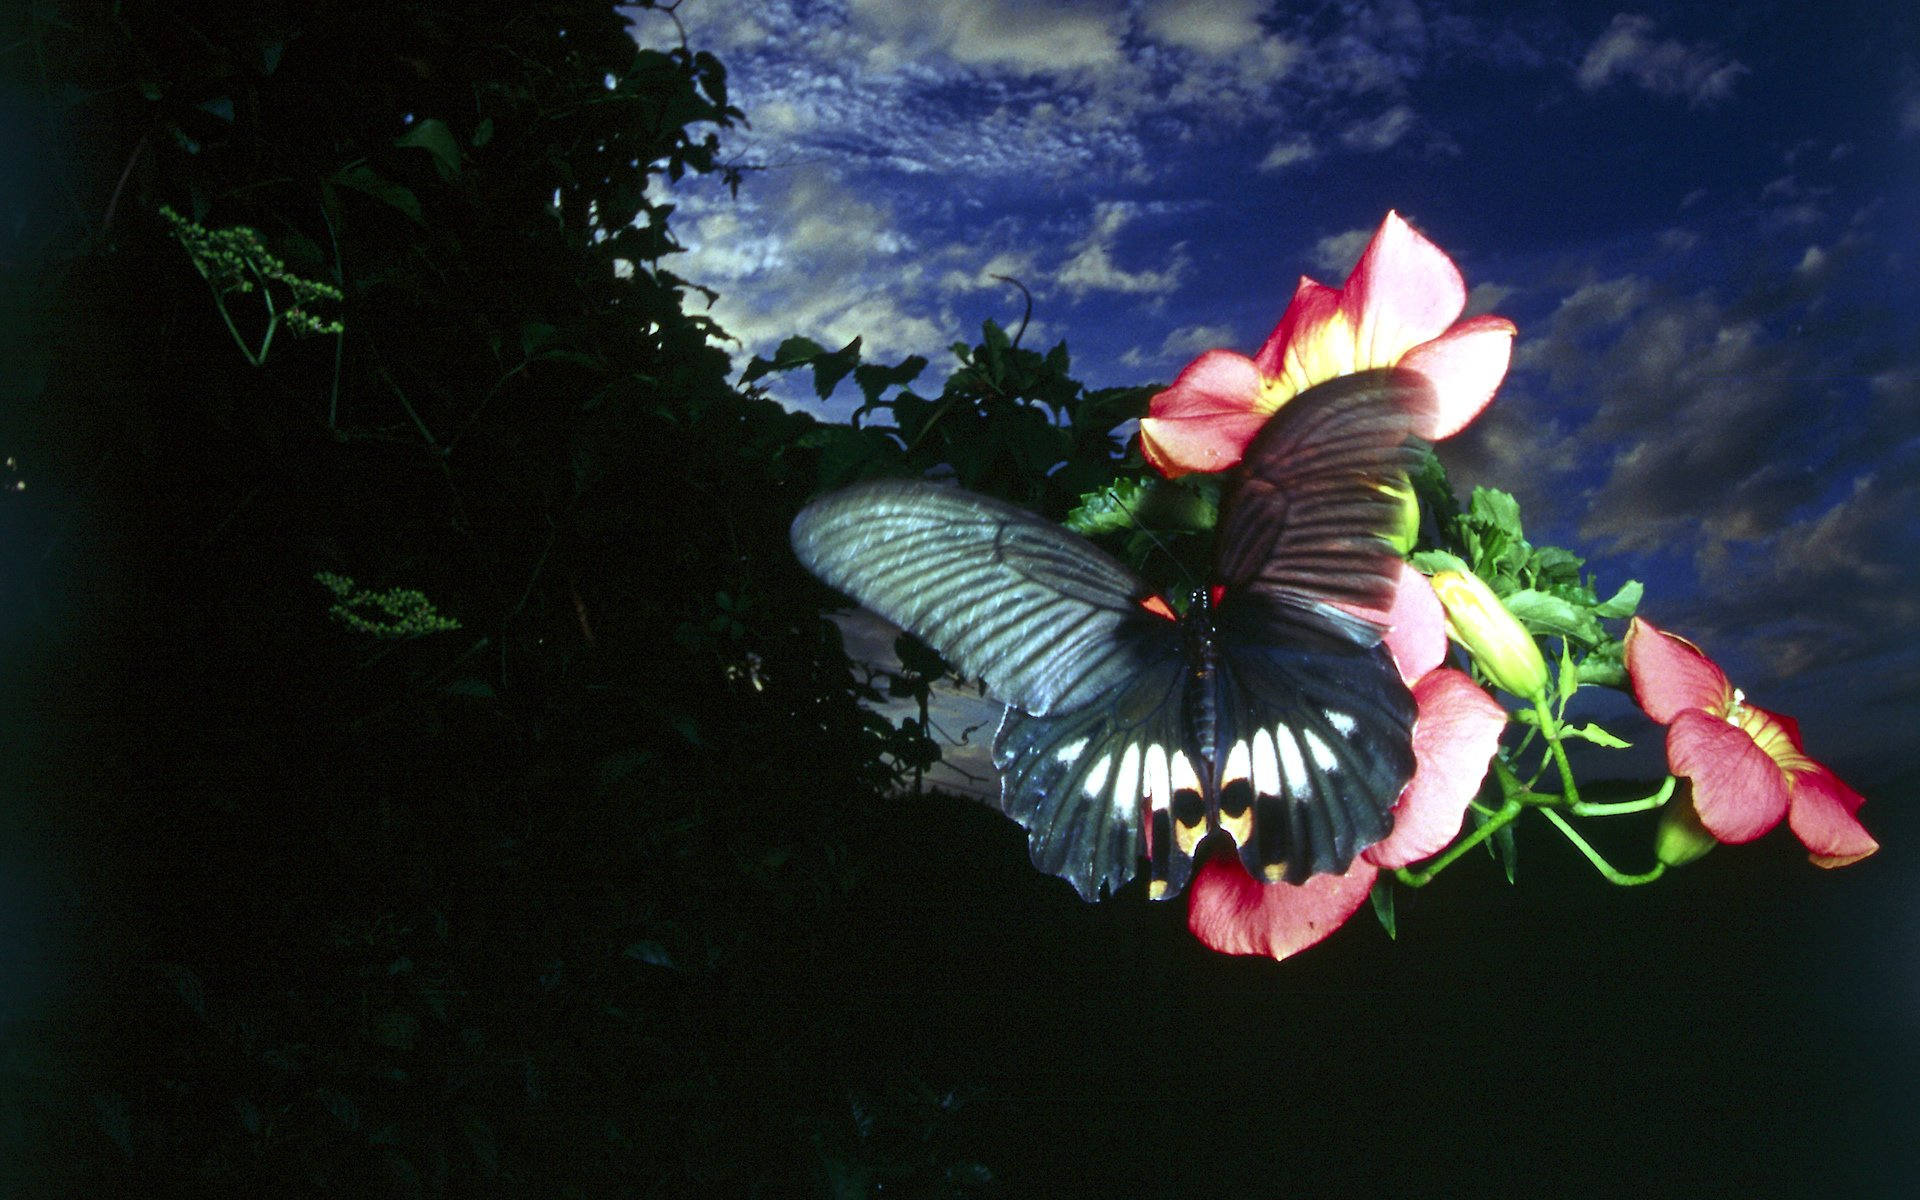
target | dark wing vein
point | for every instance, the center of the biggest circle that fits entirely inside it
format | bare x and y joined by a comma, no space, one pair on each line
1004,595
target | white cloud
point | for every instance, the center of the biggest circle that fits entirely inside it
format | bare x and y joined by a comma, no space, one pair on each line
1629,50
1335,254
1092,268
1379,132
806,255
1209,26
1288,151
1181,346
1038,36
989,275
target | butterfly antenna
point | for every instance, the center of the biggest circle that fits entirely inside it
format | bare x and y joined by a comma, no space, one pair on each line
1153,537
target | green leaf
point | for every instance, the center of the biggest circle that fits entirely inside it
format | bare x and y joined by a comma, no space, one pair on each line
1111,509
1622,603
1429,562
830,369
873,379
433,136
1550,616
1507,850
1551,567
535,334
480,1140
1382,897
1567,677
651,953
396,1030
1593,733
1605,667
363,179
794,352
483,132
1492,508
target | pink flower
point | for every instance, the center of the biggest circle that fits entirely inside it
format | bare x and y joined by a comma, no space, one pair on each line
1398,308
1747,764
1454,737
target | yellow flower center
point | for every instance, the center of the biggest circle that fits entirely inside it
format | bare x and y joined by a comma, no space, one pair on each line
1767,733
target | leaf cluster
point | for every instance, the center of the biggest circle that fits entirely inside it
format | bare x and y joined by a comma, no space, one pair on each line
1008,421
1543,586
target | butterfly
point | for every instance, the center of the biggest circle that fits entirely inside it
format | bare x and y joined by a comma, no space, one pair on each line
1266,712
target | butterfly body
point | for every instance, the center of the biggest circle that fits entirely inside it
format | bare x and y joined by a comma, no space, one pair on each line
1266,712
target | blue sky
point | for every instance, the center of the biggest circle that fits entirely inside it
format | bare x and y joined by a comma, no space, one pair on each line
1702,219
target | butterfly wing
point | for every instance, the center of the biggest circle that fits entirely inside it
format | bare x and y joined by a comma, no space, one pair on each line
1316,746
1051,623
1313,727
1009,598
1081,782
1301,530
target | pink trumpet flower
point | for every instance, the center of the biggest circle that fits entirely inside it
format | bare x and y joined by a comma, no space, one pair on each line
1747,765
1399,307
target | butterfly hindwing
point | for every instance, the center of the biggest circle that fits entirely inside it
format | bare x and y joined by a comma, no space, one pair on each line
1082,783
1315,747
1008,597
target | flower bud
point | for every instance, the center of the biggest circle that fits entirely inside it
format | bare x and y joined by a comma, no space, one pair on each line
1681,837
1406,527
1500,646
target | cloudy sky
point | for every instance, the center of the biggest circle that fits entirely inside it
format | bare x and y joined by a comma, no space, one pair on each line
1702,218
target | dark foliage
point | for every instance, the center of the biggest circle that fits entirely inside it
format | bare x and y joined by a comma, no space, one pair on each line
495,910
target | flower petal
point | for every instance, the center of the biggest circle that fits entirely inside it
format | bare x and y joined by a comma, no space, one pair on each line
1821,816
1465,366
1233,914
1739,792
1404,291
1453,741
1204,420
1314,304
1671,674
1416,626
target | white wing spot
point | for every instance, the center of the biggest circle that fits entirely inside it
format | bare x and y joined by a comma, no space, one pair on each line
1323,756
1182,773
1266,767
1292,766
1156,774
1070,751
1238,760
1097,776
1126,785
1343,722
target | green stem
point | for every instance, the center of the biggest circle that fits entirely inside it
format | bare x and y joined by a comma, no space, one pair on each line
1550,729
1587,808
273,314
1494,824
425,433
1600,864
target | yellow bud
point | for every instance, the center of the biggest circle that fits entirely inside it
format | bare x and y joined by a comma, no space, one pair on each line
1406,528
1681,837
1499,645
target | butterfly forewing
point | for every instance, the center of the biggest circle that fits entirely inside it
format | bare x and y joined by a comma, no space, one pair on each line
1301,529
1009,598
